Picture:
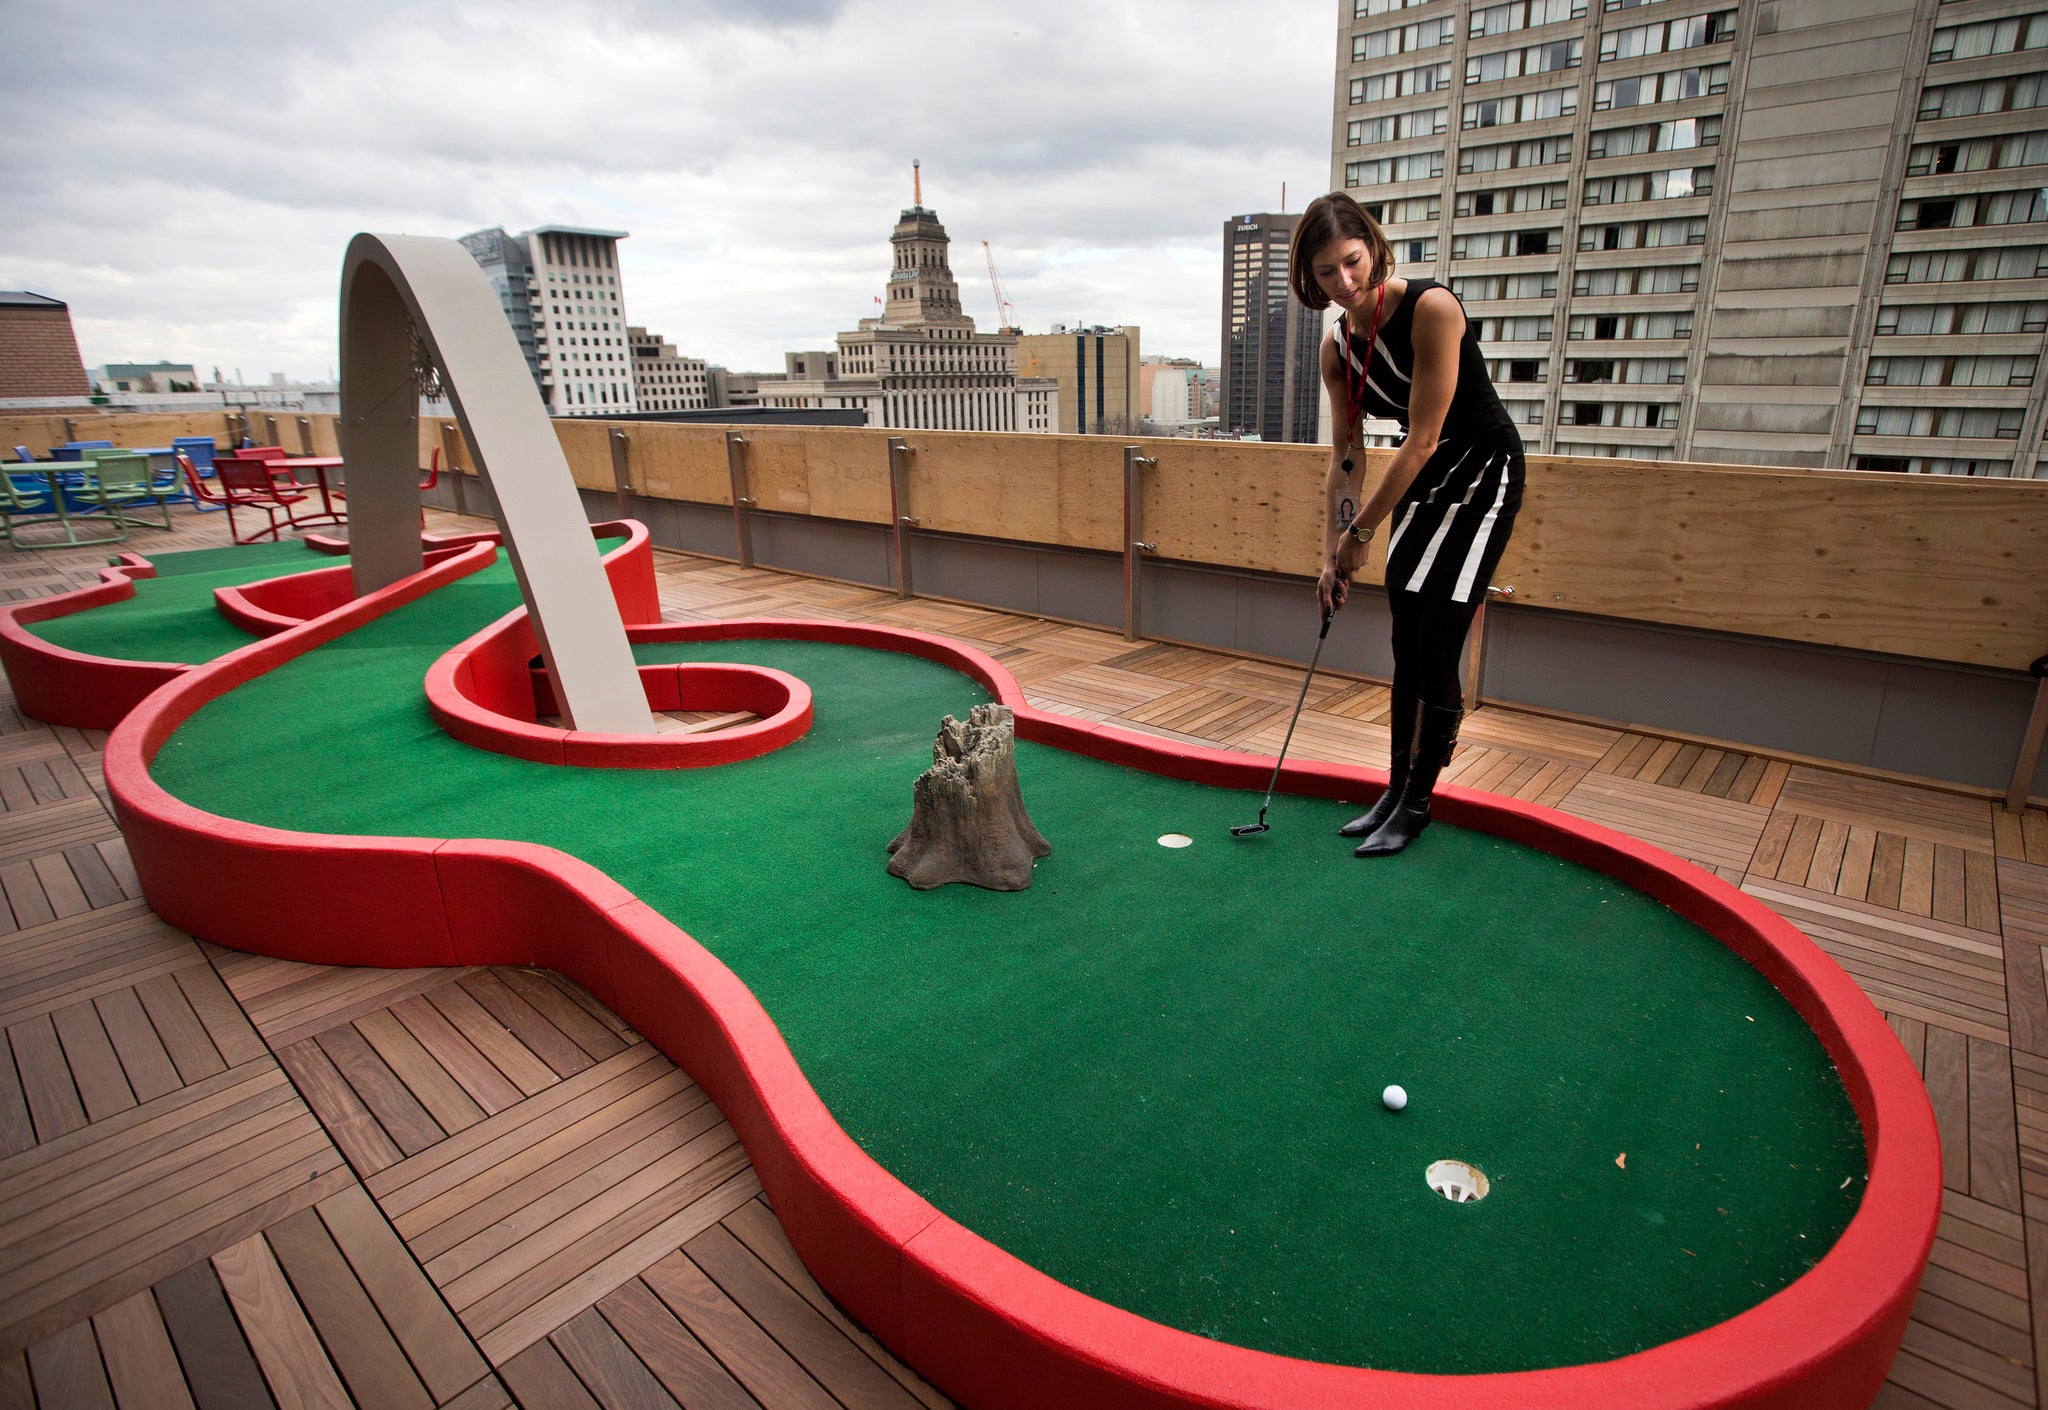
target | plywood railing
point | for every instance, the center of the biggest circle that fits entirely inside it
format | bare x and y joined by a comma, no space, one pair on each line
1926,566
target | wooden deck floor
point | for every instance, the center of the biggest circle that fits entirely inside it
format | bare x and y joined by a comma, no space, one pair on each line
230,1181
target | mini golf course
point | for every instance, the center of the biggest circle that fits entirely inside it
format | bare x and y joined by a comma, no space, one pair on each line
172,617
1155,1075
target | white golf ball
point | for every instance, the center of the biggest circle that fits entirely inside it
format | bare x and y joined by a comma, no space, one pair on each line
1395,1097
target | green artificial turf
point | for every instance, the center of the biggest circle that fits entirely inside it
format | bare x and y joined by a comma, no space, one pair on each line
172,616
1155,1075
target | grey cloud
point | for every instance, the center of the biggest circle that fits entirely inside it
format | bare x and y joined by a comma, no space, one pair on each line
758,153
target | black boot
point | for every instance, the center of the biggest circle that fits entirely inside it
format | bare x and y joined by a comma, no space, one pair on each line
1401,747
1436,737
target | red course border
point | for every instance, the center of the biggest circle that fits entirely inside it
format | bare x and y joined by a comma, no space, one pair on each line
484,693
62,687
982,1325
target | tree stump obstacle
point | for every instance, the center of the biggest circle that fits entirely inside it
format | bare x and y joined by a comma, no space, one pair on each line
967,819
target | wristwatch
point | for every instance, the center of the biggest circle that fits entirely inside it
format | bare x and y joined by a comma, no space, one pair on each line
1363,536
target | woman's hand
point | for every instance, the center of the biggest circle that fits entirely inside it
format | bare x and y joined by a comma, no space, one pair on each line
1350,557
1333,587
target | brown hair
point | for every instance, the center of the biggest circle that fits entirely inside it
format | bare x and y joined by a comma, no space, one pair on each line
1334,217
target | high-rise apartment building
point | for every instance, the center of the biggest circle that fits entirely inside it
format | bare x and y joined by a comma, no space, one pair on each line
1099,375
1793,232
561,291
1271,382
664,379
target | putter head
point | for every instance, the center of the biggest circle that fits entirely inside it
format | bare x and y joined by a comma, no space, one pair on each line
1249,828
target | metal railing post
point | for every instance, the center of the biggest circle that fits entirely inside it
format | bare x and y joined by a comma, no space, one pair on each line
622,473
1134,544
2030,746
305,436
742,526
450,439
270,429
900,518
1475,651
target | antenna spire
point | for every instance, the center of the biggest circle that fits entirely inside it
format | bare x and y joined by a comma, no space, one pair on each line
916,182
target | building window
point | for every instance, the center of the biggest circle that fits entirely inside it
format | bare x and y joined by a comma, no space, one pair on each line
1975,41
1505,156
1979,154
1675,184
1675,136
1950,372
1673,87
1991,95
1612,326
1948,266
1943,320
1509,200
1396,126
1374,88
1557,55
1401,39
1667,36
1522,107
1524,14
1950,422
1651,279
1416,166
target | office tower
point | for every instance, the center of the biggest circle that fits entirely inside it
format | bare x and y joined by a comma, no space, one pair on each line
664,379
561,291
1098,373
1271,383
921,364
1797,232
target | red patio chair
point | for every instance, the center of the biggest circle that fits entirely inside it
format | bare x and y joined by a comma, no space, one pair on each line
245,482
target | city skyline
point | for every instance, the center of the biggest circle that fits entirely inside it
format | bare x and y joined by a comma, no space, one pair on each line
754,158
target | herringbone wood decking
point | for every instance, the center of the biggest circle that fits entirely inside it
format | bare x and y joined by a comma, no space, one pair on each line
231,1180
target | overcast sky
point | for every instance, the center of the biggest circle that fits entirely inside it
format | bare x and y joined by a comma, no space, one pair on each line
186,176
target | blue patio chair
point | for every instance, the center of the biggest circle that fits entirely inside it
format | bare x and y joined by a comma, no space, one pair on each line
200,451
197,449
24,455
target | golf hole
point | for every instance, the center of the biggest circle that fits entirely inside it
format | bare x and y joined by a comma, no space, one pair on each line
1176,839
1456,1181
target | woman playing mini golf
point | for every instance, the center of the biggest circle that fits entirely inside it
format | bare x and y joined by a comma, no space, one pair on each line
1405,350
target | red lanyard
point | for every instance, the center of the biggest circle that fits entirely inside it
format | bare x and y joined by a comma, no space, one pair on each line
1354,383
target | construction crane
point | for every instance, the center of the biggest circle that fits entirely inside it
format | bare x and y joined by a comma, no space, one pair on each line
995,281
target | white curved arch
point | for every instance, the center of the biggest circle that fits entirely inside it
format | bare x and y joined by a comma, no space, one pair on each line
389,285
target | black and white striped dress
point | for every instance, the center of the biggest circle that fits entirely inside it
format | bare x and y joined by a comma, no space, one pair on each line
1446,535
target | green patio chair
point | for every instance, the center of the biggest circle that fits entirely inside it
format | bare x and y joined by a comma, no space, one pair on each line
34,499
124,479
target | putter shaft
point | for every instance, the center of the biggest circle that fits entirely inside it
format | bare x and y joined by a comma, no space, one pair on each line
1274,782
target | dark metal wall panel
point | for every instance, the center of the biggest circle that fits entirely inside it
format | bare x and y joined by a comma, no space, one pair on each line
1935,720
828,547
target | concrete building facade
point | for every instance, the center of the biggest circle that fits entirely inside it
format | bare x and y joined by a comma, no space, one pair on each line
1098,372
561,290
1271,386
921,365
1792,232
664,379
39,359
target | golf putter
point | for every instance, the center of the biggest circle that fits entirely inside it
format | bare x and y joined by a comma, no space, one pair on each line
1247,829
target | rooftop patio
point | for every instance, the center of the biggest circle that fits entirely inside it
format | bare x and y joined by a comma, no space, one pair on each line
294,1184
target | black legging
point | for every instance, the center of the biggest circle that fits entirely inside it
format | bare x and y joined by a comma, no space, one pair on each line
1429,646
